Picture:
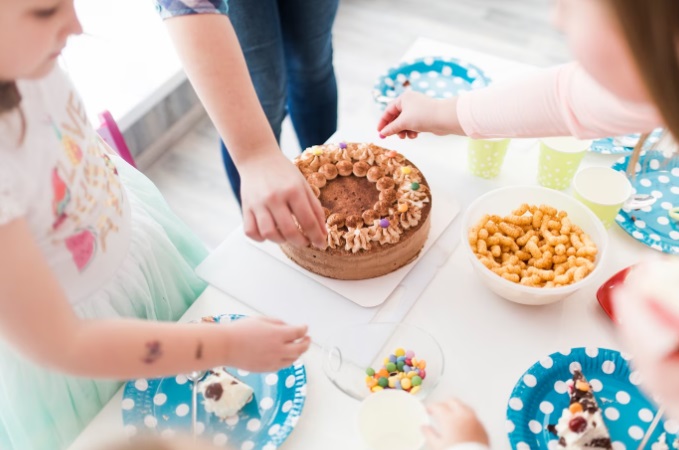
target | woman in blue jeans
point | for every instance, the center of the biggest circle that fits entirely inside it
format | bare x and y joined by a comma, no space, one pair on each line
288,48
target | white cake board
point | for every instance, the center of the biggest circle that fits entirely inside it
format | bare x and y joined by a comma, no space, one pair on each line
375,291
279,289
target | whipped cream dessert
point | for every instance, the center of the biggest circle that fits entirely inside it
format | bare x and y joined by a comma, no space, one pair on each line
224,395
581,425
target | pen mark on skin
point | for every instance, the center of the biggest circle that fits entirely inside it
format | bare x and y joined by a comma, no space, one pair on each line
153,352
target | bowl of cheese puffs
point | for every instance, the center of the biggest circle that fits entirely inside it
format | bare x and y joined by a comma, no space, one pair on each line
533,245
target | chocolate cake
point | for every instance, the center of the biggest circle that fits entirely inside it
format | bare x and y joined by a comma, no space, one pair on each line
377,206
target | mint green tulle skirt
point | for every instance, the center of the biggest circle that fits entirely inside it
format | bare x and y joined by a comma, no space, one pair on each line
42,410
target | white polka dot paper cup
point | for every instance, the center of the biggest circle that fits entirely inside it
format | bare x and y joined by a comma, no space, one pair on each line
392,420
559,160
603,190
485,156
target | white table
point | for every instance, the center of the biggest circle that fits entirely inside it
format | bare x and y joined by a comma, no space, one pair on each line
488,342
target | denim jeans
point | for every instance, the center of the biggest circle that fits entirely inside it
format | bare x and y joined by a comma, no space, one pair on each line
288,50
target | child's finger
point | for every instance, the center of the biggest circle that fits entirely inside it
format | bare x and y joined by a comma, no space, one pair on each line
294,333
295,349
440,412
392,111
250,226
402,134
412,134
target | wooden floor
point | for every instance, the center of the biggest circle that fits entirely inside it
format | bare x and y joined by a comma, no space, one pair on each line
369,36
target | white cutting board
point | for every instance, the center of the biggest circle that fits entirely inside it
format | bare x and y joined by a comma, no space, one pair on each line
276,289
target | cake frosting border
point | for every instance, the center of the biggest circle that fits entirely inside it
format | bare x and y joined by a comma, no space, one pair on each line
403,193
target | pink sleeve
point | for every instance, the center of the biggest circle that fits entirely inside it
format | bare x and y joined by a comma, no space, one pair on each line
560,101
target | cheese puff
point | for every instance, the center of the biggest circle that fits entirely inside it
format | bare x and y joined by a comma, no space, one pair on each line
581,261
491,227
521,210
523,255
520,221
554,225
580,273
537,218
515,269
560,249
566,226
560,269
563,279
545,275
511,230
488,262
524,273
505,257
514,278
550,284
576,229
532,247
551,239
545,262
531,280
571,251
559,259
549,210
495,239
496,251
523,240
473,236
575,240
483,234
481,247
561,215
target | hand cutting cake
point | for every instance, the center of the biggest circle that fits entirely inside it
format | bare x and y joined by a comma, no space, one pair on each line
377,206
581,425
224,395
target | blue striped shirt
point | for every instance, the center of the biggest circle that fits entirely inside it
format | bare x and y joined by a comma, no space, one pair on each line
171,8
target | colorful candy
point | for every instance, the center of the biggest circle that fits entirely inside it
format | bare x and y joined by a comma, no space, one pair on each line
342,145
402,207
400,370
316,150
405,170
414,185
392,154
384,223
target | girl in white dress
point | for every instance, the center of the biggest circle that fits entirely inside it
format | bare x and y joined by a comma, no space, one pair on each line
88,247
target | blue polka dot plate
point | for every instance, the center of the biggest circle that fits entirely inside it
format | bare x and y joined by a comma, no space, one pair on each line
163,406
656,175
437,77
621,145
541,394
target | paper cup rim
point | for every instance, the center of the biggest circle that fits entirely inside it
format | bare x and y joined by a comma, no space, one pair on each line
586,144
628,186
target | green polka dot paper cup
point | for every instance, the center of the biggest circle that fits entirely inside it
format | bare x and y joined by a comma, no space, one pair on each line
559,160
485,156
603,190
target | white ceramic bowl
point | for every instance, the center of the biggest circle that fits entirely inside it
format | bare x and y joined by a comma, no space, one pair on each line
502,202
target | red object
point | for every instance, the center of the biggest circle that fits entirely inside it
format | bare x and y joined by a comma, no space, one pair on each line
605,292
109,132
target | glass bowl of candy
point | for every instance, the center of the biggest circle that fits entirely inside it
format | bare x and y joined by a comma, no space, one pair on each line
368,358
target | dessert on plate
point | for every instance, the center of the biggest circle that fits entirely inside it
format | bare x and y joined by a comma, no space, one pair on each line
377,206
581,425
224,394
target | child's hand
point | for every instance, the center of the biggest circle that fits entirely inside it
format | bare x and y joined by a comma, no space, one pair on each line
457,424
265,345
414,113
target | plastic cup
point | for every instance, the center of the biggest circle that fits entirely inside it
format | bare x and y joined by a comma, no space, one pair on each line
603,190
392,420
485,156
559,160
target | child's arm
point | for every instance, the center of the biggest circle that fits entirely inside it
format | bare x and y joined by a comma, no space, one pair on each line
37,319
559,101
456,428
273,190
